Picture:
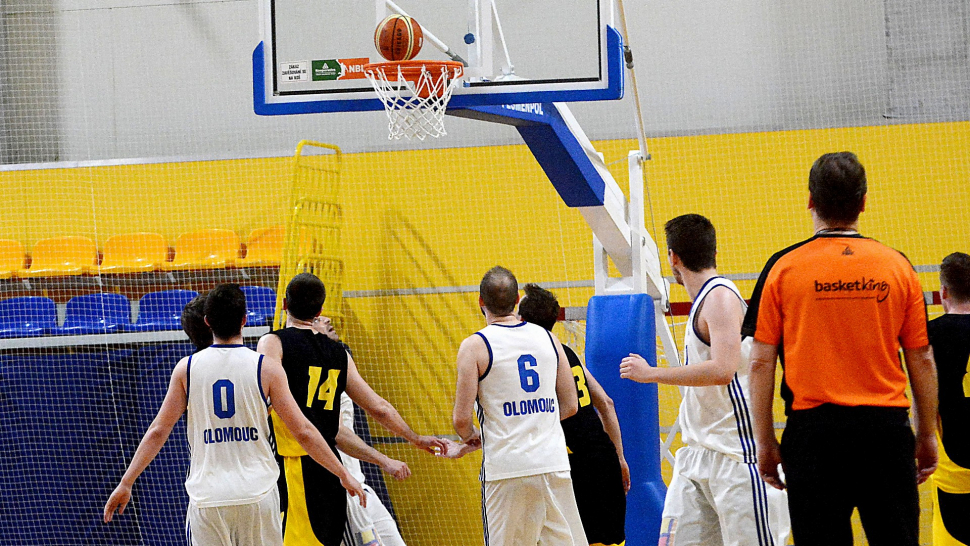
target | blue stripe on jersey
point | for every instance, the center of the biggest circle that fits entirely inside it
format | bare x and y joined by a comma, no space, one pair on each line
555,351
259,380
489,347
760,499
523,323
188,367
484,514
742,420
481,422
188,532
693,307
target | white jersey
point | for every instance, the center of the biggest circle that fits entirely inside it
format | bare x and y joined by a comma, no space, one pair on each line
228,428
517,404
347,420
717,417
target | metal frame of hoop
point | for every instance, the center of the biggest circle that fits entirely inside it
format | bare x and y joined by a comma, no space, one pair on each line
415,95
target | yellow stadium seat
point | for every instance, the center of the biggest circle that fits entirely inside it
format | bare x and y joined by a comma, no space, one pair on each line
11,258
264,247
62,256
205,249
133,253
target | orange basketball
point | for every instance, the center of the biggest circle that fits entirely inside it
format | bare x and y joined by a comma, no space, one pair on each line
398,38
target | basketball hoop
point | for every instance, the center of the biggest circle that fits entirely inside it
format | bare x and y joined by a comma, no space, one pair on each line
415,95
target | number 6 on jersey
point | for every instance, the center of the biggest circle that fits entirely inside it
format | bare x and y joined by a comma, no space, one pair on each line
528,378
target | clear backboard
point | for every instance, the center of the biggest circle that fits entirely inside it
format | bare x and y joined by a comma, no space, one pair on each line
515,51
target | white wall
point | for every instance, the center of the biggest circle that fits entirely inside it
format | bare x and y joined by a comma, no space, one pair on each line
173,78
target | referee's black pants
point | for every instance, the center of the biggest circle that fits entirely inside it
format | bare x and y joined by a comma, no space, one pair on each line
837,458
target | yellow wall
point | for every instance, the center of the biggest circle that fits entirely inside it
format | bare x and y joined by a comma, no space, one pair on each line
440,218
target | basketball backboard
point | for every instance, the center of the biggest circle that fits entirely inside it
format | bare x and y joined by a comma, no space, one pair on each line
516,51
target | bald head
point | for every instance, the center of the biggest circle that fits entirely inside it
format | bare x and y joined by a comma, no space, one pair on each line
499,291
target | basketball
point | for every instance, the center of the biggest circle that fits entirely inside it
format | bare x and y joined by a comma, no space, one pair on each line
398,38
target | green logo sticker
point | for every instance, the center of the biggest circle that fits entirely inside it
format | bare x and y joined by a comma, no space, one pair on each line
328,69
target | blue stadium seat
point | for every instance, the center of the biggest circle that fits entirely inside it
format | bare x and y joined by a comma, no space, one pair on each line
260,305
27,316
96,314
162,310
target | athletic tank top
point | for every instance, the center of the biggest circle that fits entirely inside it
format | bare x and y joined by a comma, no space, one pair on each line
717,417
347,420
584,431
227,427
517,405
950,338
316,370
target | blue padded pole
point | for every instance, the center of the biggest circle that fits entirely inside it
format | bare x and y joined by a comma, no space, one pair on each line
615,327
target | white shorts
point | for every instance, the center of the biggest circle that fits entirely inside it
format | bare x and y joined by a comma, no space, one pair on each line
532,510
371,526
254,524
714,500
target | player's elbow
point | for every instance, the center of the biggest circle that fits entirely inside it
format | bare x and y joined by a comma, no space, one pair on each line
724,375
381,411
461,423
568,409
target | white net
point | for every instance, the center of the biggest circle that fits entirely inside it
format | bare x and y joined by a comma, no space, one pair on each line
415,95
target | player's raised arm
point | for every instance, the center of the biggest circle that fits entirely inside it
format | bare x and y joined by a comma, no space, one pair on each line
384,413
307,435
353,445
721,319
172,409
565,384
471,355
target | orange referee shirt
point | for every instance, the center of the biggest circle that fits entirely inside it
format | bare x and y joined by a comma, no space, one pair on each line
838,307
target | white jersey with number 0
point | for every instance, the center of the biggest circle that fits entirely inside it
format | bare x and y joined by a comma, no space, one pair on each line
517,404
717,417
227,427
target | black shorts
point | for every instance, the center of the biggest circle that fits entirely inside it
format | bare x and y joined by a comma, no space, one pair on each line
598,485
313,502
838,458
954,508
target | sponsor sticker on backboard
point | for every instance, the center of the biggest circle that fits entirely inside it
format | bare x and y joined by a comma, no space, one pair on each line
338,69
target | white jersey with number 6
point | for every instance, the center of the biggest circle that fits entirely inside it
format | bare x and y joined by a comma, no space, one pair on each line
228,429
517,404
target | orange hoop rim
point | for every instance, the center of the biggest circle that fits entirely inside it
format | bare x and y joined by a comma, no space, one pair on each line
412,69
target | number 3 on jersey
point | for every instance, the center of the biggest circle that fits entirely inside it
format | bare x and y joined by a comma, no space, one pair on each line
328,390
581,387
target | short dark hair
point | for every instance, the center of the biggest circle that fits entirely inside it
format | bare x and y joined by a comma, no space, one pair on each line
837,183
193,323
225,309
305,296
539,306
499,291
692,237
955,276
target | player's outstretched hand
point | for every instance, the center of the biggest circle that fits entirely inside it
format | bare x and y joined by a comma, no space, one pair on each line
353,487
457,450
117,501
398,469
636,368
625,473
431,444
926,456
769,460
